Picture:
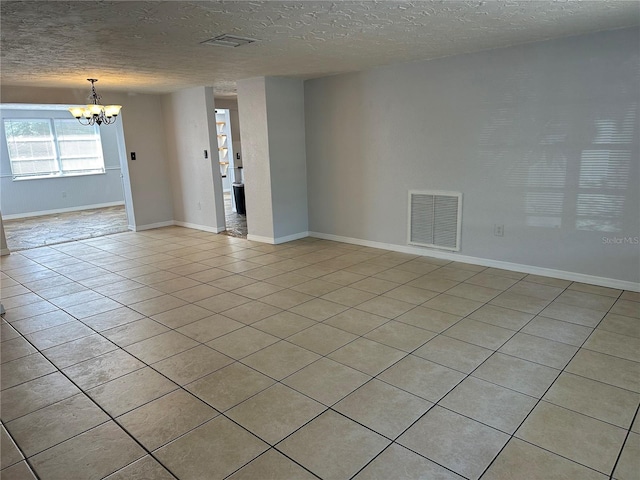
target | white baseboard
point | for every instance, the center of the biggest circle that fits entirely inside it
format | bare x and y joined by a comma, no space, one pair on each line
195,226
151,226
278,240
4,251
61,210
486,262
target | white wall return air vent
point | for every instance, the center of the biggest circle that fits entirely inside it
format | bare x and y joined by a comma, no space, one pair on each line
435,219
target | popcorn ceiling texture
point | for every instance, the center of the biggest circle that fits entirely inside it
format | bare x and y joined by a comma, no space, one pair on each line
155,46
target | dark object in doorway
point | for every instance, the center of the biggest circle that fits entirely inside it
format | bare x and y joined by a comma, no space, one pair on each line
238,193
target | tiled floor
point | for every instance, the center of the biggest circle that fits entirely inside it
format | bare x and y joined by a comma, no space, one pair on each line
236,224
174,353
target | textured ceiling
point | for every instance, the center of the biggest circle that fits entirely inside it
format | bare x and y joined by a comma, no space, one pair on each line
155,46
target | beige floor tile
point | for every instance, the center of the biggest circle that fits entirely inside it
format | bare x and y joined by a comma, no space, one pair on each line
92,308
453,353
383,408
375,286
229,386
57,335
136,295
397,275
65,301
539,350
521,303
35,394
459,271
533,463
345,278
40,322
280,359
130,391
315,287
348,296
284,324
9,453
575,436
400,335
134,332
102,369
15,348
101,451
628,295
7,332
288,280
537,290
184,315
583,287
18,471
174,284
251,312
209,328
517,374
157,305
210,275
257,290
614,344
326,381
55,423
197,293
456,442
78,350
595,399
286,298
322,339
213,450
161,346
479,333
275,412
166,418
413,295
490,404
367,356
431,282
28,311
620,324
501,317
231,282
318,309
474,292
272,465
553,282
573,314
397,460
422,377
112,319
144,469
586,300
24,369
628,465
429,319
558,330
505,273
356,321
332,446
453,305
242,342
188,366
491,281
386,307
607,369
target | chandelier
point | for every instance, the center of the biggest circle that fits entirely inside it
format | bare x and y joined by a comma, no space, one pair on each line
94,113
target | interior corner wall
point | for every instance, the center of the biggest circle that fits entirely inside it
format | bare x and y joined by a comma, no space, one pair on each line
287,154
541,138
189,131
252,109
141,116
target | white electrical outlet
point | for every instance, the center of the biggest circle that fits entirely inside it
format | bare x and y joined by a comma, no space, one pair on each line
498,230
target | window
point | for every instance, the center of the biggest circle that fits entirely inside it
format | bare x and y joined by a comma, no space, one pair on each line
53,147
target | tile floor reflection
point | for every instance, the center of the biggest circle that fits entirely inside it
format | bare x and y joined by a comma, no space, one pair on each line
175,353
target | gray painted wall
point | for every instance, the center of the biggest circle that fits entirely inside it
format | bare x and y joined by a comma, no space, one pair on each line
540,138
21,197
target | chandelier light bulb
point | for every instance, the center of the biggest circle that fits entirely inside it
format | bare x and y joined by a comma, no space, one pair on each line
95,113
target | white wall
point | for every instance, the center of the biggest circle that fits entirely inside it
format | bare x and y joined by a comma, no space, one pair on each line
272,131
32,196
541,138
252,107
142,123
195,181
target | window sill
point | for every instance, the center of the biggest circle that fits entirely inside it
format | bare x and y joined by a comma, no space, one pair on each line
67,175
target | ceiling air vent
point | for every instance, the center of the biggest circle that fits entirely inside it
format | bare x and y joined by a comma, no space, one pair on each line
435,219
227,40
